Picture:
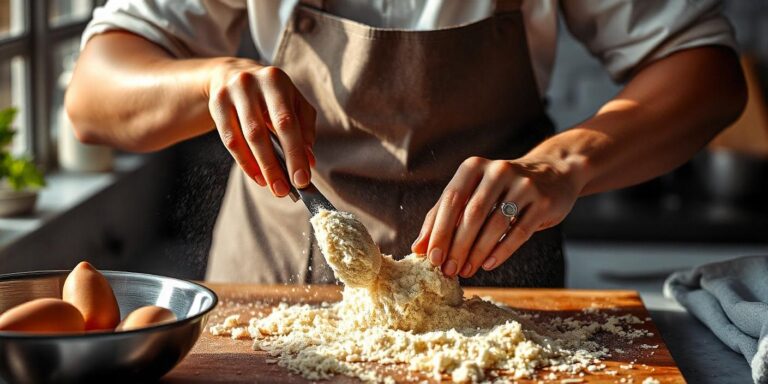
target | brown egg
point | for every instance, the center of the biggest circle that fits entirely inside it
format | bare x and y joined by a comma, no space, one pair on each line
43,316
146,316
88,290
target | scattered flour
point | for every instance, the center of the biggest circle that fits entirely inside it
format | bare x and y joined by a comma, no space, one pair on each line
406,313
230,327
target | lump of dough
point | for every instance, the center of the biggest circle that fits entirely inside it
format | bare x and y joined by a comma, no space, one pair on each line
413,295
347,247
408,294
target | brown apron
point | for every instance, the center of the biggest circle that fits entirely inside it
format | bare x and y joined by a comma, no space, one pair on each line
398,111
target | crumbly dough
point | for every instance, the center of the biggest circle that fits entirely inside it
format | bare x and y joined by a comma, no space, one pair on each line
230,327
316,343
409,294
348,247
407,313
412,295
393,311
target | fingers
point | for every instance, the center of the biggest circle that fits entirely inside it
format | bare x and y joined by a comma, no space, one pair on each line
422,241
224,116
256,132
497,225
521,231
449,209
311,157
279,94
459,235
475,215
494,229
246,107
307,118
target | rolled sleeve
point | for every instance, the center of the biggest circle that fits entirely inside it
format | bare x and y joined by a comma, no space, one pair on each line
190,28
624,34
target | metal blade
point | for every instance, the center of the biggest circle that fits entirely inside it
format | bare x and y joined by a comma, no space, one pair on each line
314,199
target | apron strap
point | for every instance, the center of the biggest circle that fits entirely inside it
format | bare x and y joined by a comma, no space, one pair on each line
316,4
506,6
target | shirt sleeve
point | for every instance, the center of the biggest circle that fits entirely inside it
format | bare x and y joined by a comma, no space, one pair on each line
624,34
189,28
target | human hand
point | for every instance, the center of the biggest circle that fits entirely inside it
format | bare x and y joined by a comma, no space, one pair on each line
246,101
461,234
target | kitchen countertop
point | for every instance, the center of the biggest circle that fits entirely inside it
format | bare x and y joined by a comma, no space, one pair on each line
701,357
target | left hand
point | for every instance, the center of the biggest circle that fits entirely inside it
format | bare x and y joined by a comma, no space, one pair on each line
462,234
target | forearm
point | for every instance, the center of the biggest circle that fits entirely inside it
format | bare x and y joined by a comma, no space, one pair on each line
664,115
129,93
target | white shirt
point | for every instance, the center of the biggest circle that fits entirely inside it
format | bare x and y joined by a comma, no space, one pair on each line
622,34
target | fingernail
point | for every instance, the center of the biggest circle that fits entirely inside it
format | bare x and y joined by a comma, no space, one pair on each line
489,263
466,270
279,188
260,180
300,178
450,268
436,256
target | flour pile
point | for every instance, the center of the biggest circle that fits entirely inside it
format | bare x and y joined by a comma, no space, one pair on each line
407,314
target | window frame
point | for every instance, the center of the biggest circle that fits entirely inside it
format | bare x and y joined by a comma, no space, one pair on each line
36,45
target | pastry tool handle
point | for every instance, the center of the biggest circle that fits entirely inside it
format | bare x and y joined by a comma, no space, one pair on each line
309,195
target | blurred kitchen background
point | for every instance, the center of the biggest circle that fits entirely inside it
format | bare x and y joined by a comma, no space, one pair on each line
155,213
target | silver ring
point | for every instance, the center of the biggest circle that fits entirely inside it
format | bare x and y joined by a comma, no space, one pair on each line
509,209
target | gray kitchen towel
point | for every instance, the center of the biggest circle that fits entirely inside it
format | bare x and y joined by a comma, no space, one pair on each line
731,298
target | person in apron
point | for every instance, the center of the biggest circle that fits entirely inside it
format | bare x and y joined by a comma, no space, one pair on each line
391,131
435,135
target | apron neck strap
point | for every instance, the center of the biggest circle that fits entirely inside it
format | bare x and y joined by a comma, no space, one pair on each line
506,6
316,4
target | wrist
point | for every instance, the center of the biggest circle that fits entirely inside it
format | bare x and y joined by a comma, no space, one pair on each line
215,72
571,166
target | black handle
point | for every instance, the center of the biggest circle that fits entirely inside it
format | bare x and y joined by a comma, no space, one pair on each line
309,195
292,193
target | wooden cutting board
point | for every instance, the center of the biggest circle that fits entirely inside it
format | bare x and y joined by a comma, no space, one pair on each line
223,360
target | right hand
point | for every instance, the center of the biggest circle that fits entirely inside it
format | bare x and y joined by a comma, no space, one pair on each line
246,101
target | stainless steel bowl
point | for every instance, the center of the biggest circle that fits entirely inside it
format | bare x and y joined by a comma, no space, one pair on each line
134,356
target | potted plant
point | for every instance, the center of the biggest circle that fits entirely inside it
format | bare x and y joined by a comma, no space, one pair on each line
20,179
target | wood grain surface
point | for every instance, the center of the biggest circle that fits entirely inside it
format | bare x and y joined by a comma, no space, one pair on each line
223,360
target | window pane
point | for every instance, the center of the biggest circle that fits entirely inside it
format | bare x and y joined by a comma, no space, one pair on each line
13,94
11,18
62,12
64,56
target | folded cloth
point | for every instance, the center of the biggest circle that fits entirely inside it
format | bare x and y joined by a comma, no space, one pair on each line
730,298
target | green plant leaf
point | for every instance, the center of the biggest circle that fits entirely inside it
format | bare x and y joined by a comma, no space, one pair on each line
6,116
22,173
6,132
4,161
